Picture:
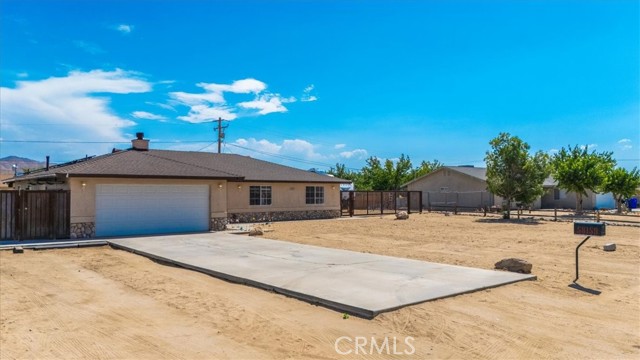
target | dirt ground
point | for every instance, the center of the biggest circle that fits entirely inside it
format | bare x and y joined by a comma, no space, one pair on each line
105,303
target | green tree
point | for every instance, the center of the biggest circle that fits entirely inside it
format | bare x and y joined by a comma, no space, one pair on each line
390,175
512,173
622,184
425,168
387,175
578,170
341,171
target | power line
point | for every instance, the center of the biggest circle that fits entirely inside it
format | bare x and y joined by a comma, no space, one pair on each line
205,147
99,142
289,158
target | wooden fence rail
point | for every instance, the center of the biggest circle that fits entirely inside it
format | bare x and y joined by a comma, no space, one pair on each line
34,214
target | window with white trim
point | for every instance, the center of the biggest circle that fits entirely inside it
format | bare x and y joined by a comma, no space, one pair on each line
259,195
315,195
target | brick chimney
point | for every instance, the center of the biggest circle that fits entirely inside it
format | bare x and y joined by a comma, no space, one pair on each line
139,143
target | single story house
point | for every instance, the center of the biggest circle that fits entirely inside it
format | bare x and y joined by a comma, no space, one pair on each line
143,191
466,186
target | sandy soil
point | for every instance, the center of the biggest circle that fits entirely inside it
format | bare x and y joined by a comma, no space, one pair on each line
105,303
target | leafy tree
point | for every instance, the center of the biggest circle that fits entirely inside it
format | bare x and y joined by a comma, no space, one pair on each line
622,184
387,175
341,171
425,168
397,172
512,173
578,170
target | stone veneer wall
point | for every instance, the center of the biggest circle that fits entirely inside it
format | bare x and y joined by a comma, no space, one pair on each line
218,224
282,216
83,230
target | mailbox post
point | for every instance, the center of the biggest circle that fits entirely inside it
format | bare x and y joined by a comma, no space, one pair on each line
590,229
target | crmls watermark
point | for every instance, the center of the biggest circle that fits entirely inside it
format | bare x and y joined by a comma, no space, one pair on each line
361,345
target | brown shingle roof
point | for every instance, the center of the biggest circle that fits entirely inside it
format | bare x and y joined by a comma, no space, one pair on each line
180,164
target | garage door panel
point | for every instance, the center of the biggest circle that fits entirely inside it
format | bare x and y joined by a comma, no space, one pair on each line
151,209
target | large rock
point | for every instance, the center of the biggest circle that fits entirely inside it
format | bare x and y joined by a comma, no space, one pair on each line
256,231
402,215
515,265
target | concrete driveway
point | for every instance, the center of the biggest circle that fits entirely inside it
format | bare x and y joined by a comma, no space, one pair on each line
347,281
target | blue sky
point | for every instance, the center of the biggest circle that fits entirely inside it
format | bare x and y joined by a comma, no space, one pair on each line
314,83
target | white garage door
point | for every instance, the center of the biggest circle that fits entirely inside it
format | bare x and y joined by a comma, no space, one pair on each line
151,209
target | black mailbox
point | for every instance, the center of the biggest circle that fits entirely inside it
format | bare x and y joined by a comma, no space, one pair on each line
589,228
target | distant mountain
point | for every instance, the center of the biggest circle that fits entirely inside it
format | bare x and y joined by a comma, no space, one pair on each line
6,164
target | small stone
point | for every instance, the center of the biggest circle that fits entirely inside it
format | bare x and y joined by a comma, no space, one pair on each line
609,247
73,235
402,215
18,250
256,231
515,265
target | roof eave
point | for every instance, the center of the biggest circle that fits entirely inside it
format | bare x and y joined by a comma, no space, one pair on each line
137,176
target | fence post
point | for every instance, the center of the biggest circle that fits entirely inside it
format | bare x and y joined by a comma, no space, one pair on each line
18,221
367,202
381,202
53,207
420,202
408,202
395,202
455,209
555,212
351,203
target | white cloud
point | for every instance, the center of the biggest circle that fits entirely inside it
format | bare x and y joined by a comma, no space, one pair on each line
197,99
625,144
553,151
265,104
339,146
244,86
22,74
147,116
124,28
303,147
69,106
306,94
259,145
211,104
296,148
356,154
204,113
589,147
164,106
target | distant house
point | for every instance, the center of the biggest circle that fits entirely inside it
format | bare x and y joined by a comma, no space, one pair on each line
142,191
463,186
466,186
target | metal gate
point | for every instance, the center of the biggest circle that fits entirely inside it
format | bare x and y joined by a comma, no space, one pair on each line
379,202
35,214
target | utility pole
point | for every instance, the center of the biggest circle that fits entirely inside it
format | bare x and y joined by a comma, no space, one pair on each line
220,130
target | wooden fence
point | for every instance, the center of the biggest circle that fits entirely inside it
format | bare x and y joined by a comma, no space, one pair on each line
34,214
379,202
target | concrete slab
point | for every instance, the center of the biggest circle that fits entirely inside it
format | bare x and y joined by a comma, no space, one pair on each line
347,281
50,244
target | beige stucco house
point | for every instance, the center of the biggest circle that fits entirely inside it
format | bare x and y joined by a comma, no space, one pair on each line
143,191
466,186
462,186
